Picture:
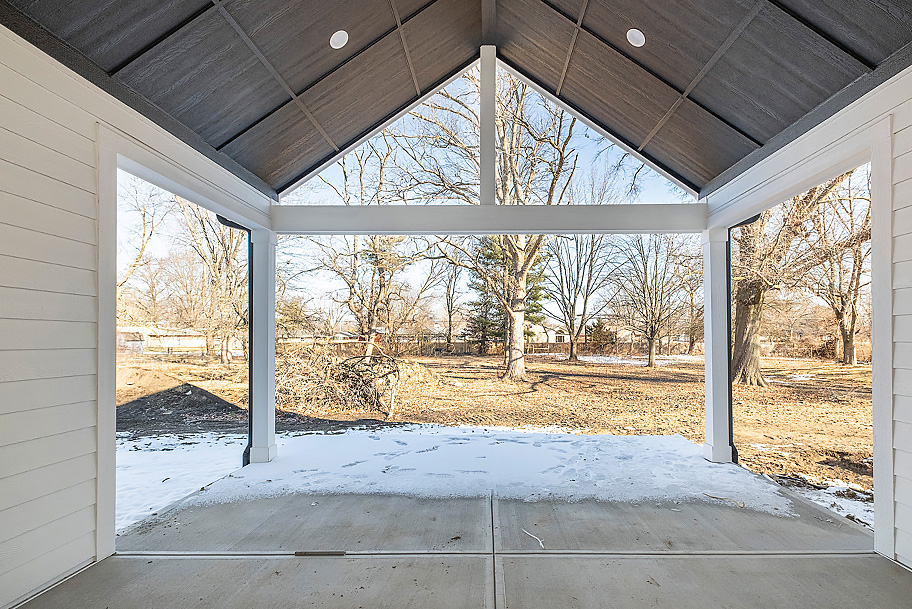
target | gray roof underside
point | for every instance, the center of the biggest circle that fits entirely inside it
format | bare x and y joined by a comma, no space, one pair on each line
254,84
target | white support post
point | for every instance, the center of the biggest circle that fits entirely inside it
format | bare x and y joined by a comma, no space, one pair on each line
262,398
716,336
487,156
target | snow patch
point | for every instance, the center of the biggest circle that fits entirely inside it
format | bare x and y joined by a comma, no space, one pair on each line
436,461
843,500
154,472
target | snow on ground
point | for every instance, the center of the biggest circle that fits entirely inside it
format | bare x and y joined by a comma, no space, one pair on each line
436,461
666,360
154,472
843,500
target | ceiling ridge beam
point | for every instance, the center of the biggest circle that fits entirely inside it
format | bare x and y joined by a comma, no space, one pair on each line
646,70
135,56
576,30
275,73
326,75
488,20
732,37
405,49
820,33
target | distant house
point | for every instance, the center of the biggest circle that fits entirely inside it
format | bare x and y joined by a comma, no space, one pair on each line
130,342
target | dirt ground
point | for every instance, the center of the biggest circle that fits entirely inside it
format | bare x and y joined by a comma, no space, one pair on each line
812,422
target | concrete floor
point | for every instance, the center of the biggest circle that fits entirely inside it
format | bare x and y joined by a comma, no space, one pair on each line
391,551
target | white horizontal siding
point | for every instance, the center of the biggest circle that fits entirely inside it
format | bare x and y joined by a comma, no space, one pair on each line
902,196
36,275
34,394
902,166
45,334
60,560
26,456
22,151
34,515
18,180
38,423
26,243
24,365
902,221
20,303
33,125
902,332
46,219
32,544
26,488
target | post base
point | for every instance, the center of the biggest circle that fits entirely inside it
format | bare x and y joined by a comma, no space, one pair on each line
717,454
262,454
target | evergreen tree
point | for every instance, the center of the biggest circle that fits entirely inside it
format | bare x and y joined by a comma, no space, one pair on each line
488,319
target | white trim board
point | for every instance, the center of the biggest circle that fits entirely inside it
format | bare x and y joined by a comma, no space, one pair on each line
488,219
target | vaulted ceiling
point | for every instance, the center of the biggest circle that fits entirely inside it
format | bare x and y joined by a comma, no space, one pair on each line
255,85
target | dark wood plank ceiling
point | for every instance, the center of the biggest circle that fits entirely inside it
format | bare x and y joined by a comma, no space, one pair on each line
258,86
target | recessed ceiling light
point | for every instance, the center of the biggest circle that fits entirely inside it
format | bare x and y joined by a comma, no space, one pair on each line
636,37
339,39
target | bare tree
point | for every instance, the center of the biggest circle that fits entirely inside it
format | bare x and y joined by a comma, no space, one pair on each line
689,268
578,267
223,253
451,294
648,286
767,259
841,239
535,163
146,207
373,268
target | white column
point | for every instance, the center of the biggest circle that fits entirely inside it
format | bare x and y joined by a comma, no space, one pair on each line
262,398
487,156
716,337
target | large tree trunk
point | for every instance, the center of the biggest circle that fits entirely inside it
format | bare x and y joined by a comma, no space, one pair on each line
745,366
573,357
651,343
849,355
516,339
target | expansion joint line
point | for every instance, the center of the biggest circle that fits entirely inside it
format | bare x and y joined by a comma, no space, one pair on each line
272,70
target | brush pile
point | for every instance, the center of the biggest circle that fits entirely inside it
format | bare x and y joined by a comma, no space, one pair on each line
313,379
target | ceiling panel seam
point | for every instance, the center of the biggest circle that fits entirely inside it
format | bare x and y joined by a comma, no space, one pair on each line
647,71
325,75
405,49
579,24
124,64
275,73
735,34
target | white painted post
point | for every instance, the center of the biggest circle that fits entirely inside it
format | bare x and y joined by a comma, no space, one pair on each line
487,156
716,323
262,399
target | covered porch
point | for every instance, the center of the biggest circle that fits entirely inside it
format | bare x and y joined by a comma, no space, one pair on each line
233,104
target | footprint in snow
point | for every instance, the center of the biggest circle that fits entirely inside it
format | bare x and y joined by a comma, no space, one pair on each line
400,442
354,463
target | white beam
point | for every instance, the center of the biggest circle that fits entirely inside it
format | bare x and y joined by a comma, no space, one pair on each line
488,219
262,398
716,337
487,157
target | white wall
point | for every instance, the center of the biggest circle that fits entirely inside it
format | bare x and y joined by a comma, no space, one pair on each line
876,129
60,142
902,329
